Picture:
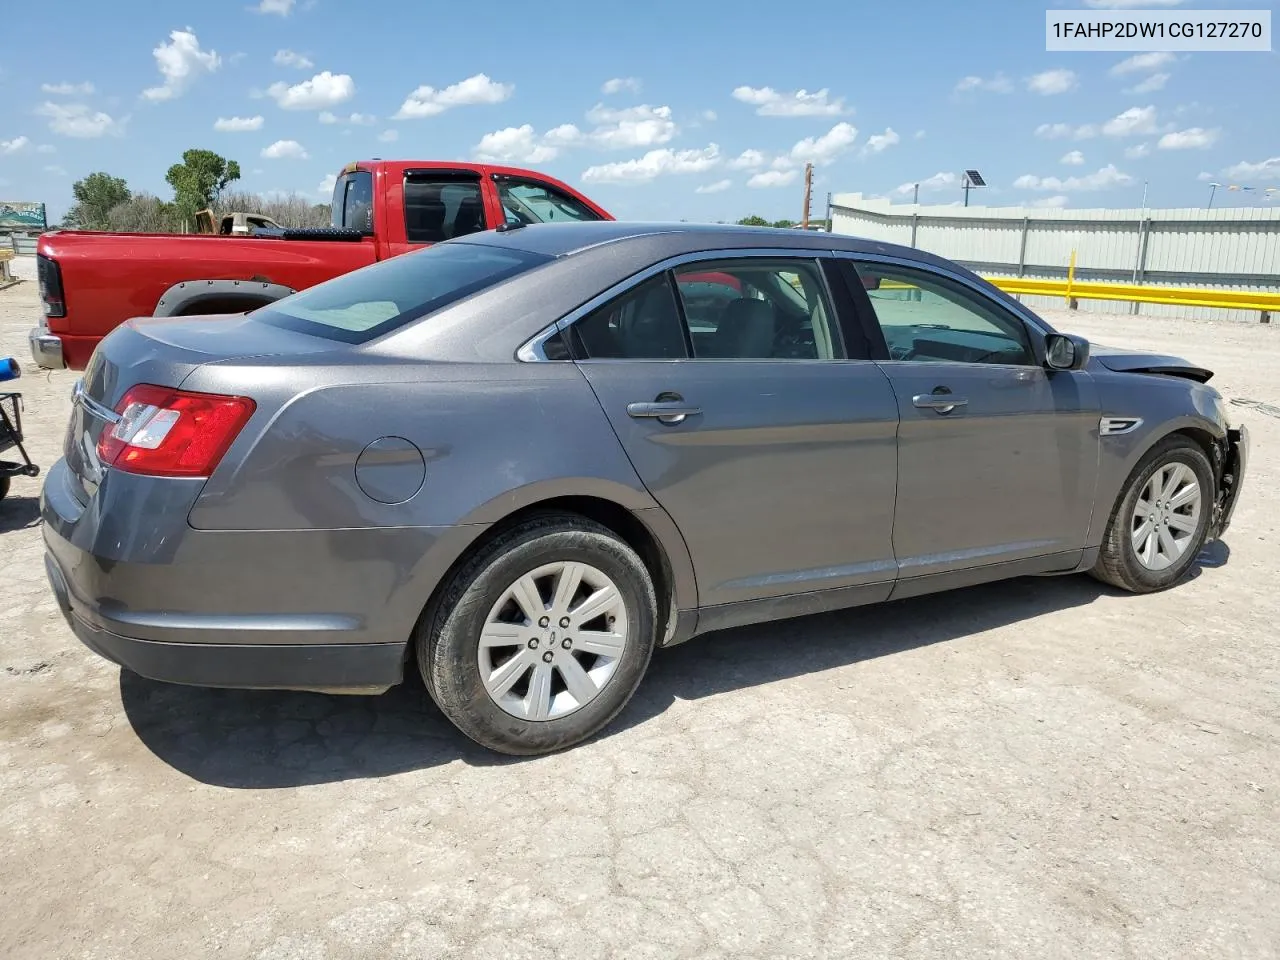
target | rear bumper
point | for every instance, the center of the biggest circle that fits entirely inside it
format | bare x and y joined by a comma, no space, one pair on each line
46,348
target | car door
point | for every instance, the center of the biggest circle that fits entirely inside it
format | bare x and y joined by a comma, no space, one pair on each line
997,455
769,446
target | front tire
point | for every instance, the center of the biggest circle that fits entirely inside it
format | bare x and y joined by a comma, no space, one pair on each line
1160,520
542,637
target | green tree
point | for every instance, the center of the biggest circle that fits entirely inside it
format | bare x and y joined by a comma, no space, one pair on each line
199,180
753,221
95,195
784,223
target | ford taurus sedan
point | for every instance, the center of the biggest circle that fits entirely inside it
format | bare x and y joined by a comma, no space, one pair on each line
521,460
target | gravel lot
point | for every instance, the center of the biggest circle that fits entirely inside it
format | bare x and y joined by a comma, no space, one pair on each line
1040,768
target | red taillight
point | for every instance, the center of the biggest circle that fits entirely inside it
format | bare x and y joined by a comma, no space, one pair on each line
172,433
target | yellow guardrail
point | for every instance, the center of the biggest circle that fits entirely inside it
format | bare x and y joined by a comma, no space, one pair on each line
1071,289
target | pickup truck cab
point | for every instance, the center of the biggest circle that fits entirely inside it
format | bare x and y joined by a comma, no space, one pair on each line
92,281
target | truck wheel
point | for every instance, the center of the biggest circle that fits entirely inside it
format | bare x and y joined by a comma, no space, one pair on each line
4,487
1160,520
542,637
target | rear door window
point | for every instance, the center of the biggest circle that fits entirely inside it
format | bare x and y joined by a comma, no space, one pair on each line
441,208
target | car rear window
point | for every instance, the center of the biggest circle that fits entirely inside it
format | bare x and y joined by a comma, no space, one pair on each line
375,300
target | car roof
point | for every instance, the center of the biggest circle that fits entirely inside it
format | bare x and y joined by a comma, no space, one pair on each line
569,238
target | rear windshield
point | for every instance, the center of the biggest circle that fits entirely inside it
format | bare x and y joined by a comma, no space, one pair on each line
374,300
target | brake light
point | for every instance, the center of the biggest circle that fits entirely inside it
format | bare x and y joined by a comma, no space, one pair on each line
49,276
172,433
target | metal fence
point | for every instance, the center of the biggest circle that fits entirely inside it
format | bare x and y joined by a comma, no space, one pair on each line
1230,249
23,244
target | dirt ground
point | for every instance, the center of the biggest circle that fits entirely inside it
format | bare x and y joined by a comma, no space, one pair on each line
1041,768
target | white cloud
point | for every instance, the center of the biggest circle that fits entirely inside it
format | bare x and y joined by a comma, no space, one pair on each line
285,150
748,160
1262,170
237,124
67,89
709,116
1130,4
1142,63
288,58
920,134
46,148
772,178
180,61
427,101
618,84
56,171
323,90
720,186
879,142
1053,82
824,149
798,103
355,119
14,145
1194,138
389,136
1137,152
1134,121
1107,177
280,7
1073,159
77,120
655,163
327,185
642,126
939,181
514,145
997,84
1150,85
1056,201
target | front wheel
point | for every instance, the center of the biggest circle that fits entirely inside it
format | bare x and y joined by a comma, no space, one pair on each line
1160,520
542,637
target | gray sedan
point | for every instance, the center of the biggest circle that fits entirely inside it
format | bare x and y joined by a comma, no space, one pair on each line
524,459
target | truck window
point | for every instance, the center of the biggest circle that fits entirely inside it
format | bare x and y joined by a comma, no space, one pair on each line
352,205
528,201
437,209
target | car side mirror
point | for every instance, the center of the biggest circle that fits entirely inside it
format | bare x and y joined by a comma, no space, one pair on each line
1064,351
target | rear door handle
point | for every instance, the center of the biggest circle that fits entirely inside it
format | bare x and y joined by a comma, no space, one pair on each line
941,402
664,411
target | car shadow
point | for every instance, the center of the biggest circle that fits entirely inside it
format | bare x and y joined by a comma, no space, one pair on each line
19,513
269,739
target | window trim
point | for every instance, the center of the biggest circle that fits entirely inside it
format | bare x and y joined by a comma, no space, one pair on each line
1035,326
531,351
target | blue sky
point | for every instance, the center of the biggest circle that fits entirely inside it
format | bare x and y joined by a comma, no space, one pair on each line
703,110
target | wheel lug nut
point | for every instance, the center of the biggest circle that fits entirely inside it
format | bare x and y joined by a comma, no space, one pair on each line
567,643
533,644
544,622
564,621
547,657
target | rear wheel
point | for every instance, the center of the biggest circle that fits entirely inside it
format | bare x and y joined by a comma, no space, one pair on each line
541,638
4,487
1160,520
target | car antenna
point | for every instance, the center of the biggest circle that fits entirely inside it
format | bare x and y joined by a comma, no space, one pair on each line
509,225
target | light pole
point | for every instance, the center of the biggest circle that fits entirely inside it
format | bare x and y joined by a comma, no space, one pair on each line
1213,188
916,196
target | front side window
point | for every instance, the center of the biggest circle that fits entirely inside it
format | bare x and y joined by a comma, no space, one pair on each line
641,324
437,209
352,205
927,318
377,299
757,309
527,201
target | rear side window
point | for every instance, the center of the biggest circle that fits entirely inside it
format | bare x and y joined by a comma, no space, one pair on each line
642,324
352,205
437,209
375,300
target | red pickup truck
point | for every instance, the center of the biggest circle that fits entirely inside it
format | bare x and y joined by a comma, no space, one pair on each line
91,281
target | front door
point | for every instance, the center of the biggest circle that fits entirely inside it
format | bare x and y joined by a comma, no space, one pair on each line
997,455
772,450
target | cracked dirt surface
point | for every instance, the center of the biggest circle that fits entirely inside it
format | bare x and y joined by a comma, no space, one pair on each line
1040,768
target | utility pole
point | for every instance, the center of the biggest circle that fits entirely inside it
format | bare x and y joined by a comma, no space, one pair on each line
915,198
808,187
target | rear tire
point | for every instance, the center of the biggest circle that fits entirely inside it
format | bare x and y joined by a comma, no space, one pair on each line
1160,519
541,638
4,487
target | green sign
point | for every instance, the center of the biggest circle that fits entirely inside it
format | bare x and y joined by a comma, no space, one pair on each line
22,216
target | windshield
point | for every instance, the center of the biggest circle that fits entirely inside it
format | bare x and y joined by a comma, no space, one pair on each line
374,300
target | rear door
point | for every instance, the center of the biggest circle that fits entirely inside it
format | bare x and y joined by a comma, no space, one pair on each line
730,386
997,455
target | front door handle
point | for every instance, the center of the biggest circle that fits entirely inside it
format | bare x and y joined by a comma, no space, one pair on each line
664,411
940,402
